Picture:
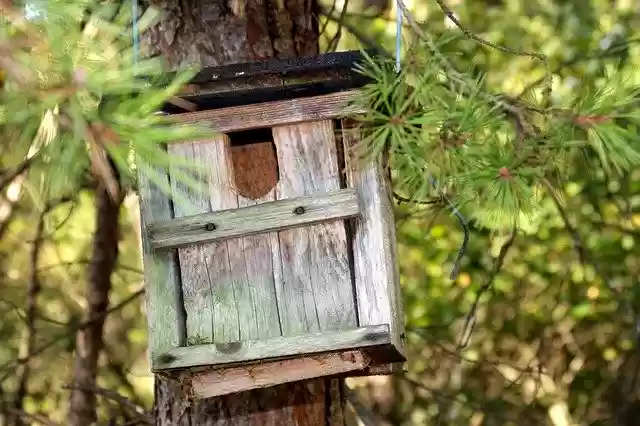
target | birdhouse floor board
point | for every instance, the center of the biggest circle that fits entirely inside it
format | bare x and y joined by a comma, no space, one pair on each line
238,379
270,114
279,347
380,370
255,219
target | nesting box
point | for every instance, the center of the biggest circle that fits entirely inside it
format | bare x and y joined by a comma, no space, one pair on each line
285,269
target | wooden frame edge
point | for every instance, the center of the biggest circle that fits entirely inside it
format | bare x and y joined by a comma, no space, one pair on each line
276,113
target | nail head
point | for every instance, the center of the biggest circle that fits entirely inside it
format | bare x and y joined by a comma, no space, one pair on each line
210,227
299,210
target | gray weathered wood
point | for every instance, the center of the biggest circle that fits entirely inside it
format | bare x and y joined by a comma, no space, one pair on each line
257,253
374,251
269,114
316,292
275,347
241,304
207,298
270,373
254,219
166,323
254,286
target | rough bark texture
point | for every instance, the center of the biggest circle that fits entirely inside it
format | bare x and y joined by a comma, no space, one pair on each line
216,32
89,343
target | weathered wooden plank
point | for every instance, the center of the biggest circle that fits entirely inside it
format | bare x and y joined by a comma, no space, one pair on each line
225,267
254,219
269,114
253,165
276,347
206,270
238,271
316,292
196,286
374,252
237,379
166,324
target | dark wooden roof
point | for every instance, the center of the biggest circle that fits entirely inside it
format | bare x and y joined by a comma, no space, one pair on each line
273,80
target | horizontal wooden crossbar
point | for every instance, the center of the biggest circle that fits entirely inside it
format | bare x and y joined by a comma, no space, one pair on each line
277,113
251,220
275,347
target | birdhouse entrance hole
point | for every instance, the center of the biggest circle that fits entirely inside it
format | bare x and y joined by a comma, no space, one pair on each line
254,162
287,262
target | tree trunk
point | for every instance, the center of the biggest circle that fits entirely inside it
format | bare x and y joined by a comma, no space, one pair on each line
217,32
104,254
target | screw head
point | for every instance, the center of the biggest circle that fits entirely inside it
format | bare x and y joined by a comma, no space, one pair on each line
210,227
299,210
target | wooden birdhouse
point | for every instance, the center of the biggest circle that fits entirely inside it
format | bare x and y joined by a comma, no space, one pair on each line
285,269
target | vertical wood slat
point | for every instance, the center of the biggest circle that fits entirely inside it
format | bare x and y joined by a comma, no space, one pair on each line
315,293
162,292
257,250
377,283
194,260
229,294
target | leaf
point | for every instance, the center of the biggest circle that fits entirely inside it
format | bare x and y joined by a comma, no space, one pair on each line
582,310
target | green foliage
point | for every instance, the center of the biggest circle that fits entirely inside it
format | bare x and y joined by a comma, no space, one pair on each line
550,331
553,342
491,154
74,99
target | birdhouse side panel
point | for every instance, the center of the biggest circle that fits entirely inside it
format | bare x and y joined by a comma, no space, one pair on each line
161,277
227,285
316,292
376,275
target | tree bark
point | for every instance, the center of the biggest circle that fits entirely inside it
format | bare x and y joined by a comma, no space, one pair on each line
217,32
89,342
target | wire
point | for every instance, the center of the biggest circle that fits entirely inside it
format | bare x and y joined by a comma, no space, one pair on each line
461,219
134,31
399,19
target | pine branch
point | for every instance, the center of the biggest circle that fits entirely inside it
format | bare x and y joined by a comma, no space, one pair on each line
7,177
85,60
141,415
34,417
365,40
470,320
467,32
365,415
8,366
401,199
440,124
613,50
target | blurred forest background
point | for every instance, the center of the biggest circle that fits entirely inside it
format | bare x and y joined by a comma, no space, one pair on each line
554,342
